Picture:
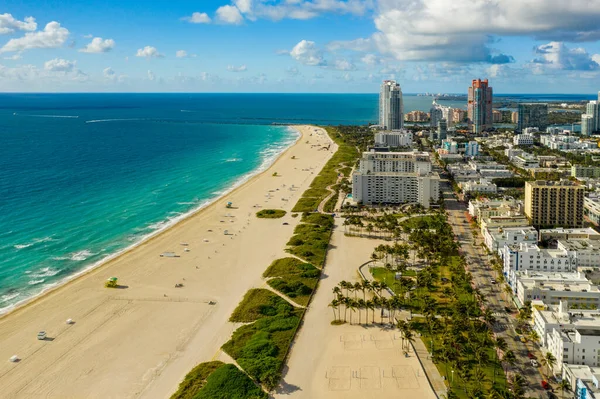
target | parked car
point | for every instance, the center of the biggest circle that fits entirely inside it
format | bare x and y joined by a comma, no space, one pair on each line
493,281
545,385
534,363
41,335
530,355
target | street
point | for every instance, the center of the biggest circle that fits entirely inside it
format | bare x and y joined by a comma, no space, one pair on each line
480,268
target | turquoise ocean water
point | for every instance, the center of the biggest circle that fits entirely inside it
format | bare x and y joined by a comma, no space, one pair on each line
84,176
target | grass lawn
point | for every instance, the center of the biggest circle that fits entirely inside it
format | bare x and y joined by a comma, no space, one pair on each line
259,303
293,278
271,213
445,369
418,222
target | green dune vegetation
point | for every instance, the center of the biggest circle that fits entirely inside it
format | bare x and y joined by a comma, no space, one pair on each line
271,213
260,347
293,278
217,380
311,238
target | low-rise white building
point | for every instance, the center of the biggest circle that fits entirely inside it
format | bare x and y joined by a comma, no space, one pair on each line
584,380
394,138
481,186
591,208
485,208
496,238
526,161
547,318
523,139
587,252
551,288
560,233
575,346
524,256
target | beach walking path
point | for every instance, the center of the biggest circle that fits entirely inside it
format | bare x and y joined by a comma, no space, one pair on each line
140,339
349,361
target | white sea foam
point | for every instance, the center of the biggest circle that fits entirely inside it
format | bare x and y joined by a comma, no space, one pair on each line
8,297
44,272
268,159
56,116
36,282
234,160
113,120
81,255
35,241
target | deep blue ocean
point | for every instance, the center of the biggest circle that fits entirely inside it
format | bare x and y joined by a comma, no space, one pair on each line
83,176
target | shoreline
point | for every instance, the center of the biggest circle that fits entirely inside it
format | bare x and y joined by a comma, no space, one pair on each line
170,223
139,340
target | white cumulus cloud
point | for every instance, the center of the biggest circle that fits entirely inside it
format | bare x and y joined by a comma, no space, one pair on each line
557,55
344,65
98,45
241,68
184,54
307,53
59,65
229,15
149,52
198,18
8,24
52,36
151,75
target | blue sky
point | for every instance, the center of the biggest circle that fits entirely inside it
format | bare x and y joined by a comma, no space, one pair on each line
522,46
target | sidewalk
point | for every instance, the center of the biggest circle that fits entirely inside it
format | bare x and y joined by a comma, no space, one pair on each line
433,375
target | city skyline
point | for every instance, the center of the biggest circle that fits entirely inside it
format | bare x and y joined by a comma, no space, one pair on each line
299,46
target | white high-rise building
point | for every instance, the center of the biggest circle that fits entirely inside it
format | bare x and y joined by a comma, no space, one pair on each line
587,124
395,178
593,108
391,106
471,149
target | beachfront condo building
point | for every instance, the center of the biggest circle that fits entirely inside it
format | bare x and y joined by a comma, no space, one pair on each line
532,115
391,106
479,106
395,178
554,203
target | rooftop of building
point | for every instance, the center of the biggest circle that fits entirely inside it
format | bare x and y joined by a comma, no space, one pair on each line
575,318
584,244
498,231
397,174
546,277
526,247
583,372
562,230
553,183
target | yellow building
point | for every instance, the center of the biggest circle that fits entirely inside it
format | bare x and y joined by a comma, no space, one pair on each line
554,203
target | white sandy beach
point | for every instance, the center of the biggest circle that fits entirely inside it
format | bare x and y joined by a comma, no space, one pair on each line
141,339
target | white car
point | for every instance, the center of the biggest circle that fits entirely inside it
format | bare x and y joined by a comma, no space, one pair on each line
41,335
534,363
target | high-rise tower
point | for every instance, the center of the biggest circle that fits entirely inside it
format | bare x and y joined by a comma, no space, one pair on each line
391,107
480,106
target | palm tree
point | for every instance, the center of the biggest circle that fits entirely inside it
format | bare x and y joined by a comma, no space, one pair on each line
509,358
357,287
564,385
370,305
334,305
361,304
549,361
351,305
